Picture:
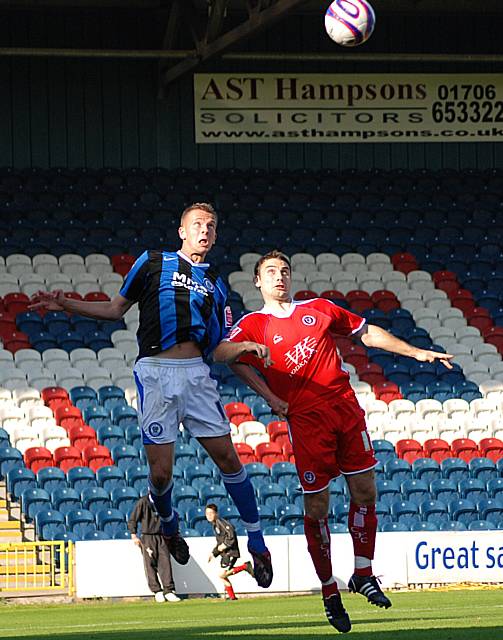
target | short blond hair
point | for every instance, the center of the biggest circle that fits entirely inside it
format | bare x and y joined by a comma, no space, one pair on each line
204,206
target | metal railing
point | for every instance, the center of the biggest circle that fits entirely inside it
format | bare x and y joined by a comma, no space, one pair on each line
37,566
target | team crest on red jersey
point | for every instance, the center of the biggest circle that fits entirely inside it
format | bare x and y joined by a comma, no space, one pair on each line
308,320
309,477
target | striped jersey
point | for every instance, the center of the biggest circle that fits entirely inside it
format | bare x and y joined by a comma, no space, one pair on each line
179,301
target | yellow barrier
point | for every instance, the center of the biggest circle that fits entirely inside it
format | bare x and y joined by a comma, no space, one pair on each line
37,566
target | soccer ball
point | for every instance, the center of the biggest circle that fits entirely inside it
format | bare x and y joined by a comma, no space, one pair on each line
349,22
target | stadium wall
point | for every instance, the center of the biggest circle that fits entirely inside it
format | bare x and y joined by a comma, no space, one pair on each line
104,112
115,568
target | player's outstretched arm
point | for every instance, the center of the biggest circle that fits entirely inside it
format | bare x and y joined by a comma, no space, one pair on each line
112,309
373,336
248,375
229,352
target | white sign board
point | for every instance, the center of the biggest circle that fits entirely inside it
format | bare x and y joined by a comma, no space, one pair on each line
341,108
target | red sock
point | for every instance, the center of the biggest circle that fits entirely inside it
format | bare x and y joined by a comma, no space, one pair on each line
363,526
238,569
318,545
230,592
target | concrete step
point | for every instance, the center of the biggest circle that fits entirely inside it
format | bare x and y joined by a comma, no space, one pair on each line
26,569
10,535
9,525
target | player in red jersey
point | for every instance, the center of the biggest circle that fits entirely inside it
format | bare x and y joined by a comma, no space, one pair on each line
292,345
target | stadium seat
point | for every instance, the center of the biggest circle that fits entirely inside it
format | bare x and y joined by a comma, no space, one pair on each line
46,517
38,457
50,478
463,510
66,499
81,477
95,498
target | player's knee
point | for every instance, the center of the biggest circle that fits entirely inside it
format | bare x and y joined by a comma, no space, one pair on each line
160,478
364,495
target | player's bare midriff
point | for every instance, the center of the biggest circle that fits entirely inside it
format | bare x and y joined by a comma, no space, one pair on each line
183,350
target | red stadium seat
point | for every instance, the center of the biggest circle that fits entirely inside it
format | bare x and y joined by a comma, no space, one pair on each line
268,453
122,263
359,301
36,458
73,295
305,294
385,301
480,318
7,324
96,296
464,448
54,397
402,257
237,409
371,373
332,294
491,448
17,341
288,452
444,276
409,450
245,452
96,456
387,391
68,416
16,302
356,355
437,449
449,286
67,457
82,436
277,428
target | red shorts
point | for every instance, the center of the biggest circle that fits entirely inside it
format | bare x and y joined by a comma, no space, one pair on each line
330,439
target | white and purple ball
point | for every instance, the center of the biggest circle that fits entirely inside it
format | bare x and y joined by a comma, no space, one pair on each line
350,22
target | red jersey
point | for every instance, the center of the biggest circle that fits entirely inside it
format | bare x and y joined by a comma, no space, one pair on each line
307,364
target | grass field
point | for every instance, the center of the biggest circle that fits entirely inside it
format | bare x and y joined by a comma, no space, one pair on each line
429,615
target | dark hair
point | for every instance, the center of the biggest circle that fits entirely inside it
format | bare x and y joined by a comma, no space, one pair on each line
204,206
212,506
270,255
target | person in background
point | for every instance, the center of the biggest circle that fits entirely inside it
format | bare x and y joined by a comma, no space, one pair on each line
155,550
227,548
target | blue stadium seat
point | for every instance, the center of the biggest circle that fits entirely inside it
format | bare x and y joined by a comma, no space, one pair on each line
106,518
463,510
257,469
66,499
83,397
96,416
205,529
133,435
194,515
495,487
124,455
289,515
340,511
80,477
109,394
197,471
50,478
109,477
9,455
124,498
482,469
56,322
472,488
4,438
383,450
282,469
212,493
398,470
394,526
404,511
491,509
46,517
269,489
34,500
19,479
481,525
454,469
435,510
452,525
184,450
388,491
426,469
124,415
95,498
95,535
30,322
423,526
79,517
136,475
54,532
276,530
188,532
184,496
444,489
423,372
415,489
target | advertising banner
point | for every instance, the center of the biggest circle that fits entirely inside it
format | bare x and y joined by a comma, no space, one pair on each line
347,108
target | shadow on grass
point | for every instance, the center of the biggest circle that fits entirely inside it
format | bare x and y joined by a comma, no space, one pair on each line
289,631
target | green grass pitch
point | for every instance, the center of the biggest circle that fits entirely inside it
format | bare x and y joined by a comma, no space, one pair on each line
428,615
